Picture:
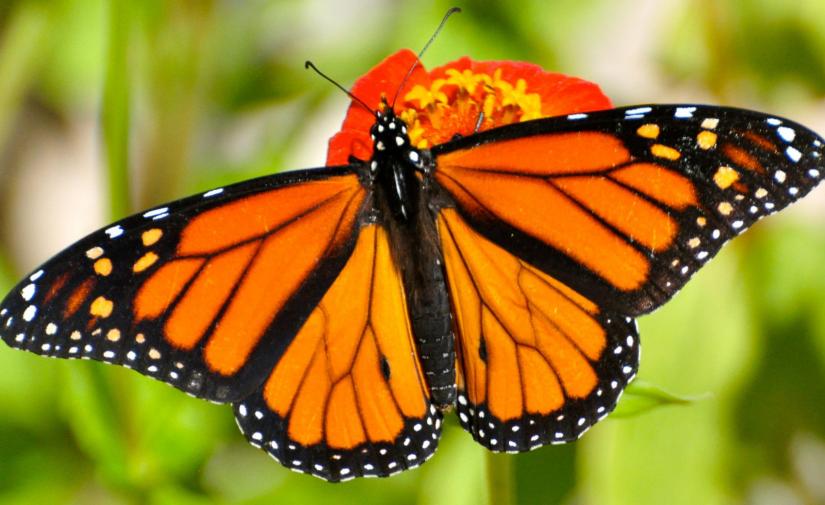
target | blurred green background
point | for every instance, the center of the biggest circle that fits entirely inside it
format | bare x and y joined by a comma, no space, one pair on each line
109,106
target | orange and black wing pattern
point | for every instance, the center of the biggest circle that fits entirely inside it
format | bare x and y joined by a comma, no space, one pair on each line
202,293
623,206
348,398
537,362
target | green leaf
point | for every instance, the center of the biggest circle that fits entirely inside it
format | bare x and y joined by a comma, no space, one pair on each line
90,407
642,396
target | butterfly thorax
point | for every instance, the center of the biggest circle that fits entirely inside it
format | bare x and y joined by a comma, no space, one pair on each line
400,178
393,166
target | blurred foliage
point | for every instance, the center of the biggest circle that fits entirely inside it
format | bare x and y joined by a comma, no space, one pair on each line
192,94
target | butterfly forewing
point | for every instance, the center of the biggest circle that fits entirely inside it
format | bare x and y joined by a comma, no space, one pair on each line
202,293
625,205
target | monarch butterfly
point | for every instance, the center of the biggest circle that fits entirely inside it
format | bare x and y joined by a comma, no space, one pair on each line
343,310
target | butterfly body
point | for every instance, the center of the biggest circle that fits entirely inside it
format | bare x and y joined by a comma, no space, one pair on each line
406,197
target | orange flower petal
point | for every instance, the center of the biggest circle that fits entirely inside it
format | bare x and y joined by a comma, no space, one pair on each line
451,98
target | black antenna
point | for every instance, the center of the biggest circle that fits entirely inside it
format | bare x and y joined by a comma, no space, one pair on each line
449,13
311,65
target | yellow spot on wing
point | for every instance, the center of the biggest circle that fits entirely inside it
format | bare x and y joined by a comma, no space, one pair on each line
648,131
103,266
725,208
113,335
101,307
701,221
663,151
725,176
710,123
94,253
694,242
145,262
706,140
140,338
150,237
761,193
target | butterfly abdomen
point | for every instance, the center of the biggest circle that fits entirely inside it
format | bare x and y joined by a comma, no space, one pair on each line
429,308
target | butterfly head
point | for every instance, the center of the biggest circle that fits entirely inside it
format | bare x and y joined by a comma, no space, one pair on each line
389,133
391,140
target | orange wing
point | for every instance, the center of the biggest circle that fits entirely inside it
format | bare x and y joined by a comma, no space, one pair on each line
537,362
348,397
200,293
625,205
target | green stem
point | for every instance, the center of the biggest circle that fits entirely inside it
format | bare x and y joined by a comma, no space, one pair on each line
116,110
176,81
500,486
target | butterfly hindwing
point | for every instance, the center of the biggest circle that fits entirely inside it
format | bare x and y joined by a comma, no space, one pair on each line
537,362
201,293
348,398
625,205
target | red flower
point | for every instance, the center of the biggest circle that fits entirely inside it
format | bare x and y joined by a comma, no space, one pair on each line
449,100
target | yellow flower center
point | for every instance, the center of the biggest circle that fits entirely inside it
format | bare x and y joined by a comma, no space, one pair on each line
463,103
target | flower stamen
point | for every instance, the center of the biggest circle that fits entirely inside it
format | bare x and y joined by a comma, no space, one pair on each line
453,105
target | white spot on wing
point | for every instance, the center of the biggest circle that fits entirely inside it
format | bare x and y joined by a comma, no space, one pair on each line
28,292
156,212
114,231
684,112
637,110
213,193
787,134
793,154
